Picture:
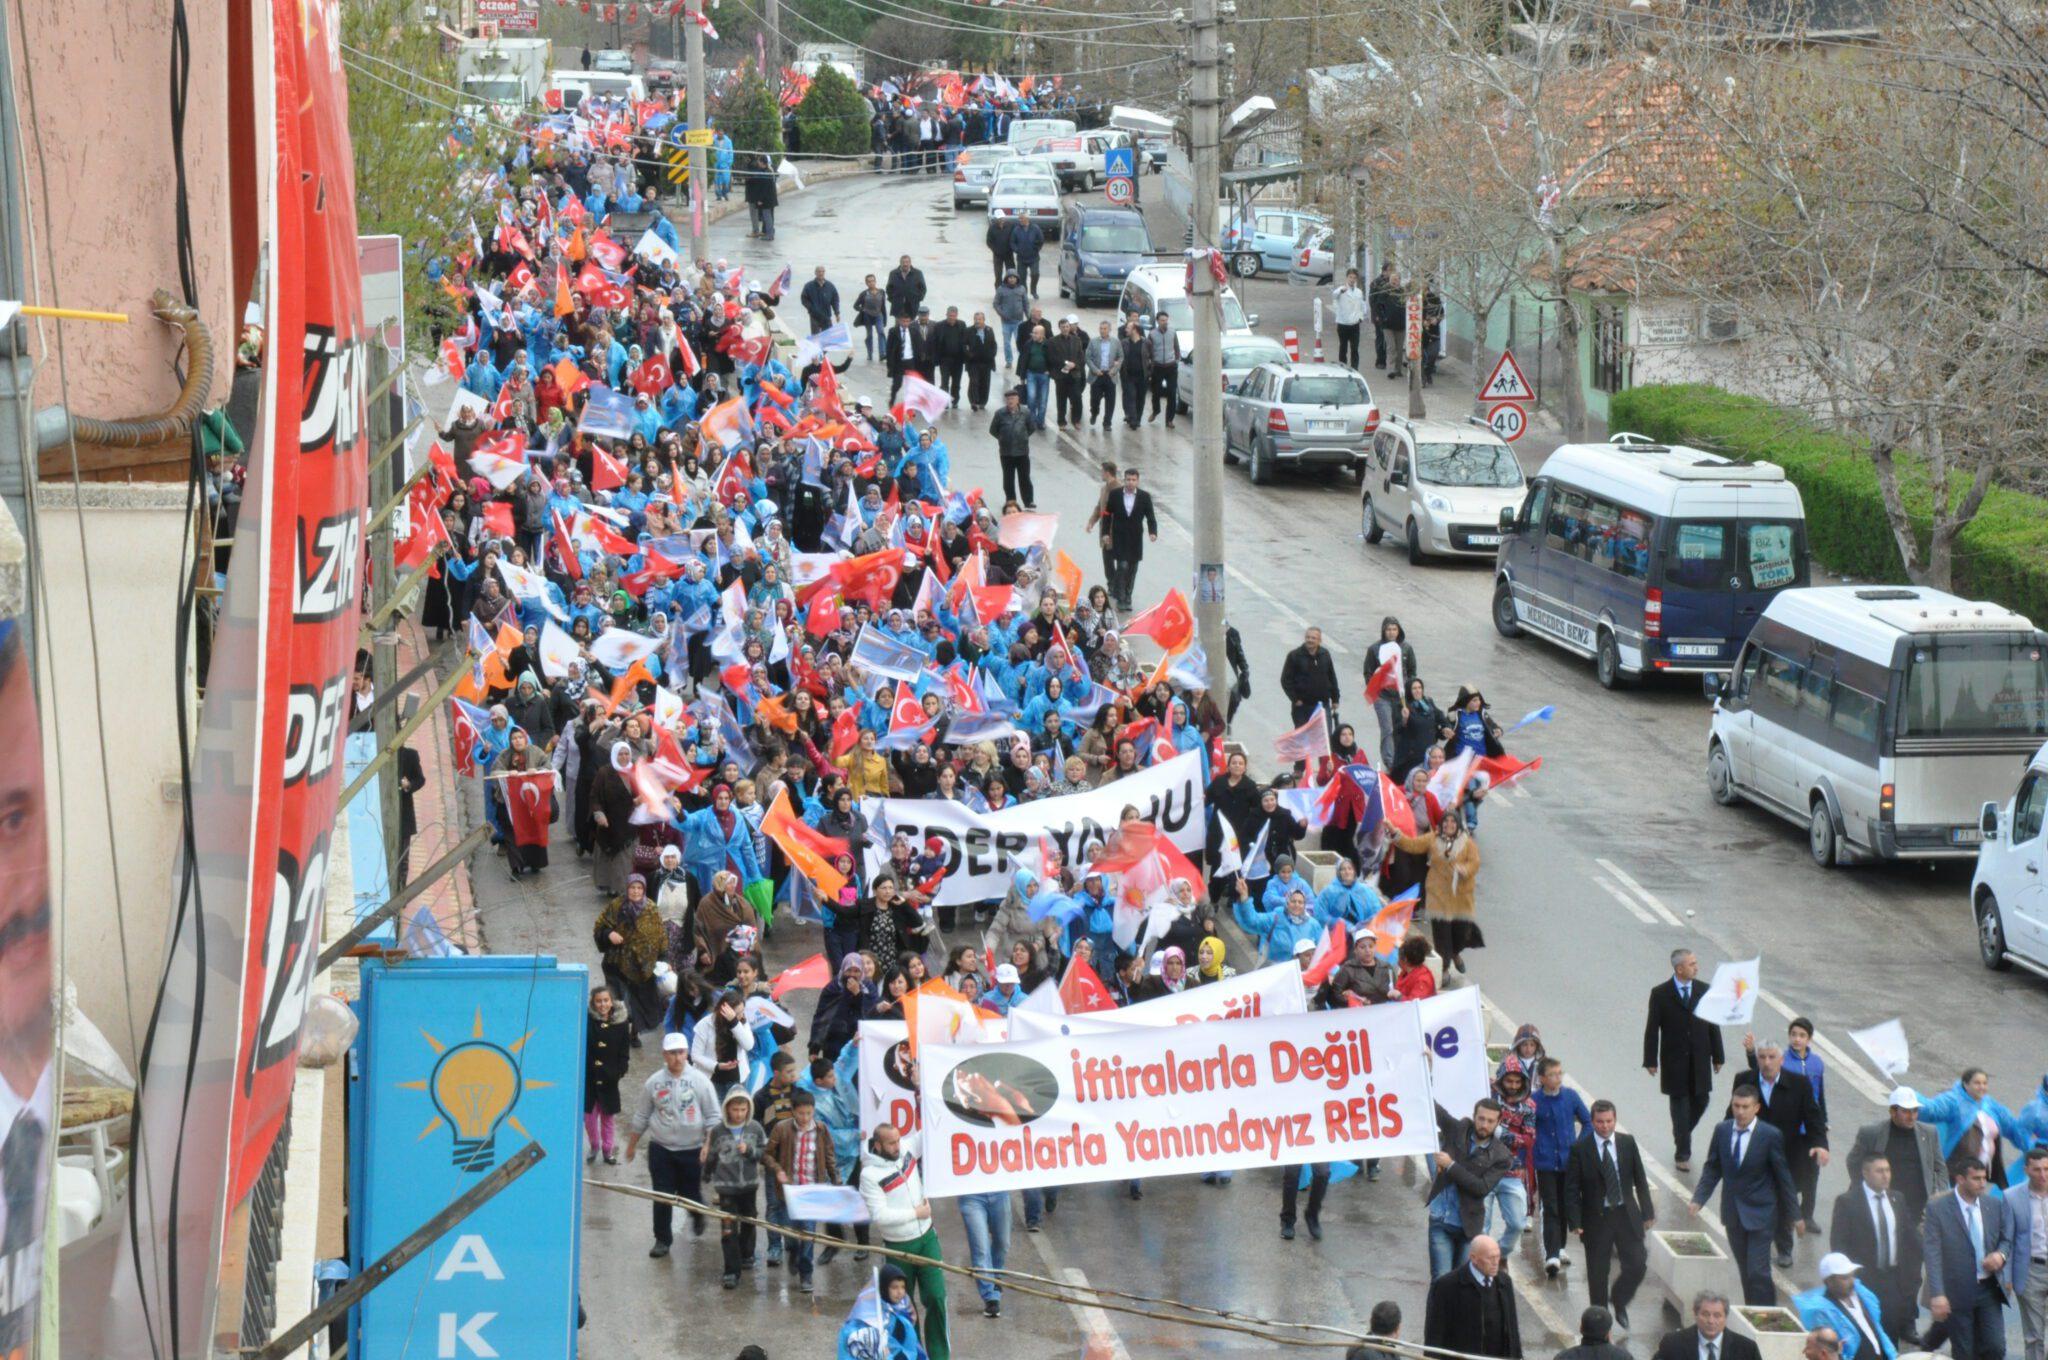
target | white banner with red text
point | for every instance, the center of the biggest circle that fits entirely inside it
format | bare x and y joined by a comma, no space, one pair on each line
983,848
888,1078
1162,1101
1263,991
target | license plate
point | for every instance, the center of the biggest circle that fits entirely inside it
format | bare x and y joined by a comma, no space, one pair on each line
1327,426
1694,649
1483,540
1966,835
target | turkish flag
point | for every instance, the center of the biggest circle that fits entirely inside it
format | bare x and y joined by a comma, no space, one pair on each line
1504,770
872,578
823,616
906,712
425,528
1081,990
530,799
1336,944
653,377
606,472
564,549
845,733
552,99
607,252
498,519
521,277
611,540
656,568
686,356
1388,674
808,976
733,477
1170,623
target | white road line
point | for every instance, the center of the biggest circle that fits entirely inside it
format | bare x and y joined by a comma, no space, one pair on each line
1851,1070
1628,903
1099,1334
1649,898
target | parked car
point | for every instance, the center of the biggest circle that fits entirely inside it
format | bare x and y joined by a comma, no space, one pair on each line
1283,415
1154,149
1022,166
612,59
975,171
664,74
1241,354
1154,288
1032,197
1441,486
1023,130
1315,255
1068,157
2009,891
1099,247
1263,238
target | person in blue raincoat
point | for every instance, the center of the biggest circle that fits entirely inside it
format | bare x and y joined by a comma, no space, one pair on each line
721,166
1284,881
482,376
1277,932
884,1328
718,838
933,465
2033,1119
1968,1116
1349,899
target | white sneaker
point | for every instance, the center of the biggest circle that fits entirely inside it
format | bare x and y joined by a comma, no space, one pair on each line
1563,1259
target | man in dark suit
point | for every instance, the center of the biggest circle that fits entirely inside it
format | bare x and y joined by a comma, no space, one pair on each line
1966,1242
1749,1156
980,350
909,352
1607,1202
1471,1307
1708,1338
1308,677
1869,1227
1596,1331
949,351
1791,1109
1127,525
1681,1050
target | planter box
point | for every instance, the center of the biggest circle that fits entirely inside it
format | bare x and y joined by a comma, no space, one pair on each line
1778,1332
1687,1262
1319,867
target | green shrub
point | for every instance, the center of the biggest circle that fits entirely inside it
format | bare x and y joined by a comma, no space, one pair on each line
749,115
832,118
2002,555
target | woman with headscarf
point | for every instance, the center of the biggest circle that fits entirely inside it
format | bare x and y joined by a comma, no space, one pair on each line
1450,887
607,1039
631,939
1212,960
721,911
1171,978
521,757
722,1041
611,814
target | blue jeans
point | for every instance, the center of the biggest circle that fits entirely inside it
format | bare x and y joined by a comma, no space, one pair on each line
1038,1203
1010,342
1511,1197
778,1213
987,1219
1447,1247
874,335
1036,385
800,1247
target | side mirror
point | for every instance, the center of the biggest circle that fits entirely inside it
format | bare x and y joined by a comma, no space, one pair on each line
1713,682
1508,519
1397,477
1251,319
1987,821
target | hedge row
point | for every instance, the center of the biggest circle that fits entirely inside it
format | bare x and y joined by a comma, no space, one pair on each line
2001,556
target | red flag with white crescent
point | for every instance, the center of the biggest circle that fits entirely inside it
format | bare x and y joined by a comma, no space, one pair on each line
529,799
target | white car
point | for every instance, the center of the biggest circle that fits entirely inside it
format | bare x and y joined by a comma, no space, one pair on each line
614,60
1027,196
1440,486
2009,891
1022,166
1154,288
976,170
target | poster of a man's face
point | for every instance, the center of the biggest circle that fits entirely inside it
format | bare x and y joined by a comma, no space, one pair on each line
27,1077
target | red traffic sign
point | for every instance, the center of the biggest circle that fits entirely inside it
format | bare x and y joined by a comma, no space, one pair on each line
1506,383
1120,189
1509,420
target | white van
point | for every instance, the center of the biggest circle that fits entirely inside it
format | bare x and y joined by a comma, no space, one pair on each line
1024,130
1879,718
2009,891
1154,288
574,85
1441,486
1649,559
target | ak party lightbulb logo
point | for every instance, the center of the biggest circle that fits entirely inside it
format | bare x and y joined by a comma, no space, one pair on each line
475,1086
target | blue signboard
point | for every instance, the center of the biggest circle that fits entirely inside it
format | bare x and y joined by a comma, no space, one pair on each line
459,1064
1120,162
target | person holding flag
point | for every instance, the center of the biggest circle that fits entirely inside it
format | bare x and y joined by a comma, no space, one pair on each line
1450,886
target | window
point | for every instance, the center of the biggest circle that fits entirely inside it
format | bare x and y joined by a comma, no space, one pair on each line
1489,465
1771,556
2028,807
1336,390
1779,679
1696,555
1976,687
1816,690
1538,502
1746,672
1855,715
1610,346
1381,443
1566,528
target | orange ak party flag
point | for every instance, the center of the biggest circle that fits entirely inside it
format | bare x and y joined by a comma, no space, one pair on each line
809,851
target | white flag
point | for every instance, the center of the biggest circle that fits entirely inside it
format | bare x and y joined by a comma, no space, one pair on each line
557,650
1731,997
523,584
1885,1045
615,649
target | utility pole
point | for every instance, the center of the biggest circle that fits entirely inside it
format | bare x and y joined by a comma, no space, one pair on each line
700,163
773,75
1205,140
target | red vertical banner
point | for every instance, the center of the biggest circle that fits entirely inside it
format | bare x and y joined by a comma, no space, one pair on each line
313,501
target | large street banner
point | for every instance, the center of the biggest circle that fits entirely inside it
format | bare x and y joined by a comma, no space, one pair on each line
888,1078
984,848
1263,991
1162,1101
1454,1028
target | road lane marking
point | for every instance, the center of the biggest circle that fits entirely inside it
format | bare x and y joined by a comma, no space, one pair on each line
1099,1333
1648,898
1628,903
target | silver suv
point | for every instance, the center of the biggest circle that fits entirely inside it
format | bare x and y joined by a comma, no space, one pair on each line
1299,415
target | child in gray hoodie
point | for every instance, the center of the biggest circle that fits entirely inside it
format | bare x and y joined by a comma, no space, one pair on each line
732,1171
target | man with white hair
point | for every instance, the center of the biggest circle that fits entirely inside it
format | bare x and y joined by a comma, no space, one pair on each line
1789,1107
1681,1050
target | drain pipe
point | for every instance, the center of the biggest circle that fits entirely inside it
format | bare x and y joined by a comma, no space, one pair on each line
56,427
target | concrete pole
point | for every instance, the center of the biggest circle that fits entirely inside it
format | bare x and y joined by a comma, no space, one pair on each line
694,114
1205,136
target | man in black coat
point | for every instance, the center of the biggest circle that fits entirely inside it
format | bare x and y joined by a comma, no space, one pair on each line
1596,1332
820,301
909,352
949,351
1308,677
1681,1050
1011,429
1708,1338
1870,1225
1069,352
1127,525
981,349
1791,1108
905,288
1027,239
1471,1308
1607,1202
997,240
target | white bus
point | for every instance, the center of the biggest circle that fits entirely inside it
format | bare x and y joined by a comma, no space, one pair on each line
1880,718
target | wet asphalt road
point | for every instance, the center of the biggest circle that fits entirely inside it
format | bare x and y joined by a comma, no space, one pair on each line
1594,869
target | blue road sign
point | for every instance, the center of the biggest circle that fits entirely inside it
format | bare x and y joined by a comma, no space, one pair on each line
1120,161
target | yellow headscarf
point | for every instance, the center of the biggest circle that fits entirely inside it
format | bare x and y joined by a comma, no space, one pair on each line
1210,972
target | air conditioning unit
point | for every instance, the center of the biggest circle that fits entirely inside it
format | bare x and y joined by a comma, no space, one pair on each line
1723,322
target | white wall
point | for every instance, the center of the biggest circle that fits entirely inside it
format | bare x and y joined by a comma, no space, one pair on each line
133,534
1665,347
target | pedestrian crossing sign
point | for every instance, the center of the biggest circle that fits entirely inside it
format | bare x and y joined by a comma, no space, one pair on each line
1119,162
1507,382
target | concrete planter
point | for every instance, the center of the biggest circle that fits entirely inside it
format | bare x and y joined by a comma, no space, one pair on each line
1687,1262
1778,1332
1319,867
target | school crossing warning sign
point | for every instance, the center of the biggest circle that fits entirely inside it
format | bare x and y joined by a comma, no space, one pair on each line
1506,382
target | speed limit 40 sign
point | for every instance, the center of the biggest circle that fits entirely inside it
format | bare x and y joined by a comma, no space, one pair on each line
1508,420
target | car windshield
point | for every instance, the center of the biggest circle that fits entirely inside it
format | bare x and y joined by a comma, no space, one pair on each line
1976,687
1467,465
1121,238
1324,389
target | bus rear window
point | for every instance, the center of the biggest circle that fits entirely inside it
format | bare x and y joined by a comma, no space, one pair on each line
1976,688
1703,554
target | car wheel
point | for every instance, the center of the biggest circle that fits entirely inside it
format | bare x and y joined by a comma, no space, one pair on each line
1607,662
1415,557
1820,836
1991,935
1246,264
1262,465
1373,532
1720,778
1504,621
